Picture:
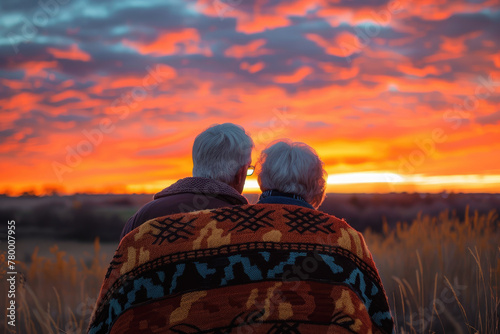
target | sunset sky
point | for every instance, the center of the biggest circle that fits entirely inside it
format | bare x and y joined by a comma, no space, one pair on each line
109,96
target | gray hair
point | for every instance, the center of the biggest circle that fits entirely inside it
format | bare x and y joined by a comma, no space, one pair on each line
220,151
293,168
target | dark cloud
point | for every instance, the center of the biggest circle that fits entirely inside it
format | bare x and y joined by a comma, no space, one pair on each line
317,125
5,134
493,118
37,124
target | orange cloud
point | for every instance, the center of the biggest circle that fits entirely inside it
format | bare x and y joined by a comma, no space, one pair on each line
344,44
22,101
252,49
73,53
252,68
297,76
38,68
452,47
422,72
339,73
247,21
496,60
15,84
254,23
441,10
186,40
68,94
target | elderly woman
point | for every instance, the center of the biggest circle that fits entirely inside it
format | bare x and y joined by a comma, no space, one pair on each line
292,173
278,266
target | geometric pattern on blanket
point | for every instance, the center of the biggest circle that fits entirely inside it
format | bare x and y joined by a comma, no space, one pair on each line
264,268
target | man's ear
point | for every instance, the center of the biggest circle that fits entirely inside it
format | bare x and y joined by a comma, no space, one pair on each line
242,174
239,179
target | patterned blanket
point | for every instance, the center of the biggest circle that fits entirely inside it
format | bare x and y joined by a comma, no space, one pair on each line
264,268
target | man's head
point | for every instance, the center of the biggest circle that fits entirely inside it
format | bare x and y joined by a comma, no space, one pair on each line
293,168
223,152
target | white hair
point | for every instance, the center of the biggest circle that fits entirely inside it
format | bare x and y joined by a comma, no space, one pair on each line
220,151
293,168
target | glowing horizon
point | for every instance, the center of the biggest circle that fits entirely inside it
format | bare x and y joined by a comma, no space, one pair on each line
362,182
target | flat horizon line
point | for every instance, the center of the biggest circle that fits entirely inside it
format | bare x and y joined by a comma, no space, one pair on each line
257,193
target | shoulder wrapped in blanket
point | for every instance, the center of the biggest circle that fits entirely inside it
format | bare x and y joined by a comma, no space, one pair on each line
264,268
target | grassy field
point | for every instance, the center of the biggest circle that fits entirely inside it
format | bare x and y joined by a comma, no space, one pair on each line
441,274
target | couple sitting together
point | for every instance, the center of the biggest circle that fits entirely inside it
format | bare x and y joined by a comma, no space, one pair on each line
200,259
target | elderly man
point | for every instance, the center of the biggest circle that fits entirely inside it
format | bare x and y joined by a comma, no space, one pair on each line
221,160
279,266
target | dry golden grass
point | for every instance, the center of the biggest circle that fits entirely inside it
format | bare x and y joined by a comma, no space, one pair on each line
441,275
57,294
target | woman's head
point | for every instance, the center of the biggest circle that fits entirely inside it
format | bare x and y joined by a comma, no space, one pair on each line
293,168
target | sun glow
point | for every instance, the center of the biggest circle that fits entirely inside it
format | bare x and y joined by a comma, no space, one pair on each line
252,186
392,182
364,177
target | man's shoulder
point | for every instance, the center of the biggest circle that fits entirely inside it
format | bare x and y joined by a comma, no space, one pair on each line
202,187
179,203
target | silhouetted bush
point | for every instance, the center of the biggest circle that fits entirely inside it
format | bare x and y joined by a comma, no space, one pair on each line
89,224
85,217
